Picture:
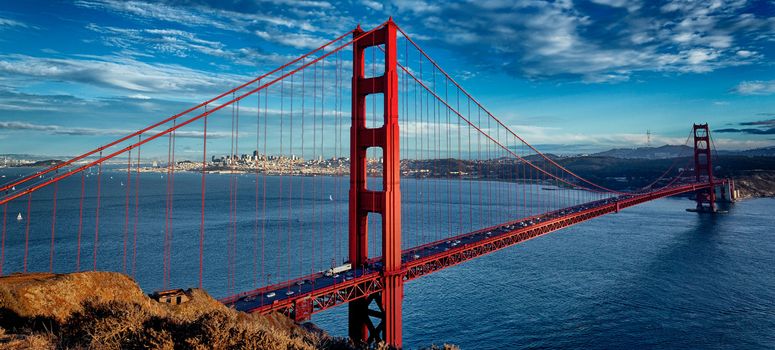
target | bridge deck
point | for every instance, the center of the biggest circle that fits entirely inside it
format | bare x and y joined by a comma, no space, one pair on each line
320,292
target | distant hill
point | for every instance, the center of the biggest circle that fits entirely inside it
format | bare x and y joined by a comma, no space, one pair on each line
41,163
662,152
31,157
669,151
756,152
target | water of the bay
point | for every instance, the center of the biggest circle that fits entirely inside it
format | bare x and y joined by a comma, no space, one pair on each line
652,276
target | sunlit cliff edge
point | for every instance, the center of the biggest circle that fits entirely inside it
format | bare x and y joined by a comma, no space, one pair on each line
107,310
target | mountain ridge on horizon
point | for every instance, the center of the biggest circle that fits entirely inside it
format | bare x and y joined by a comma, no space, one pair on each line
674,151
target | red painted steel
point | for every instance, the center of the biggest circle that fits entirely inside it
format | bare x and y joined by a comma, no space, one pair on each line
386,202
322,299
703,168
442,260
363,286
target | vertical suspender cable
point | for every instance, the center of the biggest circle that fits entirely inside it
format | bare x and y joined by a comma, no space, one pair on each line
27,230
263,205
255,181
80,222
302,160
291,162
97,217
2,245
126,204
53,227
165,283
137,209
202,204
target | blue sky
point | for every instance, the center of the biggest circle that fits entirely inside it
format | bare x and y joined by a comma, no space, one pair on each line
570,76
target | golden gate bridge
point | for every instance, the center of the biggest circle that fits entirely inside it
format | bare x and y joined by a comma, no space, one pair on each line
476,187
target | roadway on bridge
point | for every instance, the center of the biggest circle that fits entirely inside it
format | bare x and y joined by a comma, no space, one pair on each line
264,298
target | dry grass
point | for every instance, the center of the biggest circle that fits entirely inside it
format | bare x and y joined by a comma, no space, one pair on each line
103,310
56,297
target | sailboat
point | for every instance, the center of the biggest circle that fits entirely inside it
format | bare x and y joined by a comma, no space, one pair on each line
330,197
19,217
13,188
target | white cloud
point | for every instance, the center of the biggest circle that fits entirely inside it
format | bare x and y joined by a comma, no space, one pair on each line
7,22
745,53
630,5
296,40
301,3
699,56
755,87
87,131
214,17
549,39
416,6
171,41
374,5
115,73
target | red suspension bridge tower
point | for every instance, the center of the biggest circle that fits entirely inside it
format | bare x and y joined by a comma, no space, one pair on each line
703,168
386,202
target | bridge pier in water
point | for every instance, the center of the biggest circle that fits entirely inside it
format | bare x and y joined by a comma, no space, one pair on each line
386,202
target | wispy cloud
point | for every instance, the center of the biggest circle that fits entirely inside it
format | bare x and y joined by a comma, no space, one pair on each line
9,23
172,41
149,43
751,131
114,72
218,15
86,131
755,87
296,40
757,127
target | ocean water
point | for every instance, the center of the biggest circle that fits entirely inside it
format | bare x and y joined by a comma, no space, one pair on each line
652,276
